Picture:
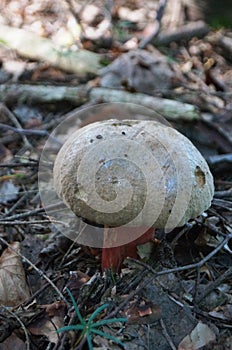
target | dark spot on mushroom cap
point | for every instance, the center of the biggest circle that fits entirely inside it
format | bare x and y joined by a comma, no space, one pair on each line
99,137
199,176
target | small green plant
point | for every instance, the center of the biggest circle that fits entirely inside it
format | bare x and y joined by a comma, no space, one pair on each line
89,327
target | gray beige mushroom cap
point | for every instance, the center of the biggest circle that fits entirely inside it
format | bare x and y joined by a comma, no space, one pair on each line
132,173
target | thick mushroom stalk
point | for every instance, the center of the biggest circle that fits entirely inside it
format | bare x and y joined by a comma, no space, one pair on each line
112,258
131,176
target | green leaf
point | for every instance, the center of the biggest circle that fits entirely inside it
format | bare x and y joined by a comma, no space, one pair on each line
89,341
81,319
88,327
97,311
75,327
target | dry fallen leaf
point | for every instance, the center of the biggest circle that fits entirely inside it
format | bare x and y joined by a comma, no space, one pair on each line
13,342
143,312
8,192
200,336
47,323
13,286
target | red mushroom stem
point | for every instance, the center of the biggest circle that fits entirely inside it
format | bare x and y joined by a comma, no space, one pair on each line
114,257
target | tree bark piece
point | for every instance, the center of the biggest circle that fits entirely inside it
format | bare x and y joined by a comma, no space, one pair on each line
32,46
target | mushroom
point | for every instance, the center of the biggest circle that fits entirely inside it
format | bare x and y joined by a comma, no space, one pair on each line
131,176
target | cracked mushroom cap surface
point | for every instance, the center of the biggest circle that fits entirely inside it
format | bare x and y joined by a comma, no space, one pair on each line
132,173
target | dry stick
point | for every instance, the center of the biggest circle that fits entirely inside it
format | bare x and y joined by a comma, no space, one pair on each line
165,272
197,283
212,285
188,226
171,109
166,335
212,228
5,111
186,32
159,15
22,325
24,215
25,131
15,165
220,158
221,203
21,200
224,219
223,194
59,205
190,266
40,272
33,222
38,292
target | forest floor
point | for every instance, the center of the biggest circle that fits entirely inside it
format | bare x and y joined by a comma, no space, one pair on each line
63,65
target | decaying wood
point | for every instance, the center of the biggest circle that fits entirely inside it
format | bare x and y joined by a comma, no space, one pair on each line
42,93
170,109
186,32
32,46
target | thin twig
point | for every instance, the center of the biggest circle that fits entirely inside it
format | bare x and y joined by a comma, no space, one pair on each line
15,165
166,335
22,325
38,292
186,267
20,201
212,285
223,194
187,227
59,205
22,131
221,203
5,111
219,159
213,228
33,222
145,282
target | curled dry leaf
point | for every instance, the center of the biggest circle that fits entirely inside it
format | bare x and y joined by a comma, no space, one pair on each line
13,286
